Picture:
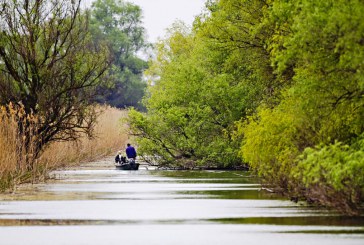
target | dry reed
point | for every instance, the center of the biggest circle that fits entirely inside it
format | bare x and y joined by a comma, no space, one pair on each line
15,155
110,135
8,159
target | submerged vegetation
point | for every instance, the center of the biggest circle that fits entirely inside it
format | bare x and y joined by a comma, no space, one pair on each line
274,84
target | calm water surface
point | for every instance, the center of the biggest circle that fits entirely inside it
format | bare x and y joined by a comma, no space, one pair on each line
96,204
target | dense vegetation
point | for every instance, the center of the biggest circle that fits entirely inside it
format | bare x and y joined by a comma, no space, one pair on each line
54,60
275,84
57,154
49,71
118,24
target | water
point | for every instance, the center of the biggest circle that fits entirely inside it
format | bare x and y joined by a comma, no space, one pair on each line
96,204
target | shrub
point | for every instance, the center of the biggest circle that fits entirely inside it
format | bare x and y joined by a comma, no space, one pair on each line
333,175
270,145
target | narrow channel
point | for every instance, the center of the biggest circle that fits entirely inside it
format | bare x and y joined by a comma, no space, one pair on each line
97,204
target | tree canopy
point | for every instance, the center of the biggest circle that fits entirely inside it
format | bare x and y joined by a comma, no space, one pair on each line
49,68
118,24
274,84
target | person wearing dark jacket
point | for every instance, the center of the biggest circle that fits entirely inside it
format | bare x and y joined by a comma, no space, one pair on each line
130,152
120,158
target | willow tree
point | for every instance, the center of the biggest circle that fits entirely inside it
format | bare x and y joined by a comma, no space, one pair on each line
312,141
49,69
208,79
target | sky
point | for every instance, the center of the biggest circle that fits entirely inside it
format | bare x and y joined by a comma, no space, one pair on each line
161,14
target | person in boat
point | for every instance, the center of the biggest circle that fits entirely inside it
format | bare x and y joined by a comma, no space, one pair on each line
120,159
131,153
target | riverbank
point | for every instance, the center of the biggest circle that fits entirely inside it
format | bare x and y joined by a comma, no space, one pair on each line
110,136
319,195
95,204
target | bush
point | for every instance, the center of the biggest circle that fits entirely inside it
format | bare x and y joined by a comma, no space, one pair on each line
333,175
270,144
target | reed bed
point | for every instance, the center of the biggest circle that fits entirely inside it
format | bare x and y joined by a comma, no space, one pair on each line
8,160
14,152
109,136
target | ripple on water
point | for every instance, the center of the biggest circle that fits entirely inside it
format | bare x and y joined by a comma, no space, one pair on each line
100,205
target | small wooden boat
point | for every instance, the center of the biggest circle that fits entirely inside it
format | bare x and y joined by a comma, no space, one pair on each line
127,166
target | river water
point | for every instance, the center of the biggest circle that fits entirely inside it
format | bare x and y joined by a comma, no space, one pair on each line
96,204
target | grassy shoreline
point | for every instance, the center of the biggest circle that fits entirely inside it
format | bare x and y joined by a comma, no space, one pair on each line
110,135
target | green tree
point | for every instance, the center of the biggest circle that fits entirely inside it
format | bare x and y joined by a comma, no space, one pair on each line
279,80
321,111
209,78
118,24
196,100
49,70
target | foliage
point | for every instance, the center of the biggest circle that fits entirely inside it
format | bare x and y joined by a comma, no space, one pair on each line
206,82
319,44
271,143
49,69
327,49
333,174
192,107
118,24
266,81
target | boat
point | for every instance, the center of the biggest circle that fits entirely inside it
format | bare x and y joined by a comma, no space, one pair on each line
129,165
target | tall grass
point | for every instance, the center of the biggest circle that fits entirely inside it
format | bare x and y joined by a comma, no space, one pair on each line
17,146
109,136
8,160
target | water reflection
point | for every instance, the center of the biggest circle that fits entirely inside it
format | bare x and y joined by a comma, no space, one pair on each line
96,204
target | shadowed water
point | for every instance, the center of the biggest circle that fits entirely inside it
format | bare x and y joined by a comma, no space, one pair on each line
96,204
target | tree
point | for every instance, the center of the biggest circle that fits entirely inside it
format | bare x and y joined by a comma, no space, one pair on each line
118,24
312,141
192,106
49,70
209,78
